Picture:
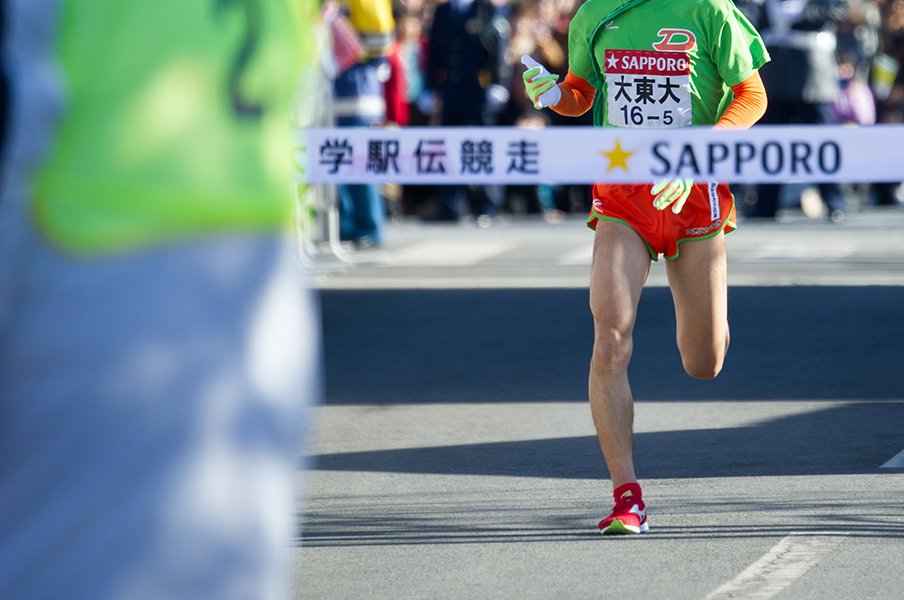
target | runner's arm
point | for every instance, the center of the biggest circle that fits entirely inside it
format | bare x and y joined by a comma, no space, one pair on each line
577,96
747,106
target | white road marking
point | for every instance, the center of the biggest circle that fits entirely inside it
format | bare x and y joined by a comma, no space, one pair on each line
895,462
579,256
447,253
797,250
784,564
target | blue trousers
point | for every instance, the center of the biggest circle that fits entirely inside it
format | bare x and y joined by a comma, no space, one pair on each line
361,213
361,210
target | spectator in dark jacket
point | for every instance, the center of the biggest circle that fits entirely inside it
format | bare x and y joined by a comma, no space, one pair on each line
466,73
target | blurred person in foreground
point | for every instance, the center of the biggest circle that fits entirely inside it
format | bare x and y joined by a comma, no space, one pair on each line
715,55
158,350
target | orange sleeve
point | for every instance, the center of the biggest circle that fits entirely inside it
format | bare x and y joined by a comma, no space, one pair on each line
747,106
577,96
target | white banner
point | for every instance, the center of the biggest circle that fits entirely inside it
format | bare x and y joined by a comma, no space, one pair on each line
486,155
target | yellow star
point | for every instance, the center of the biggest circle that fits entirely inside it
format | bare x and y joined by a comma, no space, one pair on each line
618,157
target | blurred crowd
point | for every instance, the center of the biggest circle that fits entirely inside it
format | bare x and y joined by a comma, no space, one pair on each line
457,62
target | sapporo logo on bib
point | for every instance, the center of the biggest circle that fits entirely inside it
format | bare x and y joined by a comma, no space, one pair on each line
648,89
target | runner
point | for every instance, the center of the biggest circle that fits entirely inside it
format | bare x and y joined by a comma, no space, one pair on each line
656,64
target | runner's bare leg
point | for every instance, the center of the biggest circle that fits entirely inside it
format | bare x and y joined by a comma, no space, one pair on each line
621,264
699,283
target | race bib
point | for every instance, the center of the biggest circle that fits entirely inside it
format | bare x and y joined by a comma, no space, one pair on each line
647,89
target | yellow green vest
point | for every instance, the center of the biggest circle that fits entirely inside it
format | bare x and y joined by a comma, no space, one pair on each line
177,121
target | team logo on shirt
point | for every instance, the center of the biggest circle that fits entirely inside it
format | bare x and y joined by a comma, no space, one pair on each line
675,40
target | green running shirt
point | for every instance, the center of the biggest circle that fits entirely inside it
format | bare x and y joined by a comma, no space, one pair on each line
663,63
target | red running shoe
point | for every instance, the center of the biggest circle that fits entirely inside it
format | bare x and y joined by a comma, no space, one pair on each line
629,514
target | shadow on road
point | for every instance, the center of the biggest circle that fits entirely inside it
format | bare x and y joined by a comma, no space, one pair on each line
427,523
389,347
815,443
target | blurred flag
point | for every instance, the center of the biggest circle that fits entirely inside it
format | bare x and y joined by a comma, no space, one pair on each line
347,46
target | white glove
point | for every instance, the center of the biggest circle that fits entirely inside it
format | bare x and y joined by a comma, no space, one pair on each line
674,192
550,97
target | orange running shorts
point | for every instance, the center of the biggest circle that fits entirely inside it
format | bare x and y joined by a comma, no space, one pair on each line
709,210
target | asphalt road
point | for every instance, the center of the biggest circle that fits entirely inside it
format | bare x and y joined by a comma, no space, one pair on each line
455,456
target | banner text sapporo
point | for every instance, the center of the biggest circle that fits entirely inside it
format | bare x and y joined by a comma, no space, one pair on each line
772,157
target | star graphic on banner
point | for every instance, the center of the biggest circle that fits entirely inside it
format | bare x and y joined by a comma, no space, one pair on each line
618,157
611,62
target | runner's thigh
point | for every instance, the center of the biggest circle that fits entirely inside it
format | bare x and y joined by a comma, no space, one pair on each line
621,264
699,282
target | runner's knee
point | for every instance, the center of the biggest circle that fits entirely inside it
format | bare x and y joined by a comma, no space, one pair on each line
703,358
611,351
704,363
703,366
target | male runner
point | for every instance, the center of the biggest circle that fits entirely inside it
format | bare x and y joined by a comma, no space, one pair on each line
707,76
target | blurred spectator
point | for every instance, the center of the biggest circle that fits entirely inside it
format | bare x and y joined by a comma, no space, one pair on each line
888,74
359,101
412,49
395,90
157,348
466,77
887,80
855,104
421,8
532,33
808,82
801,80
466,68
569,198
858,36
540,29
